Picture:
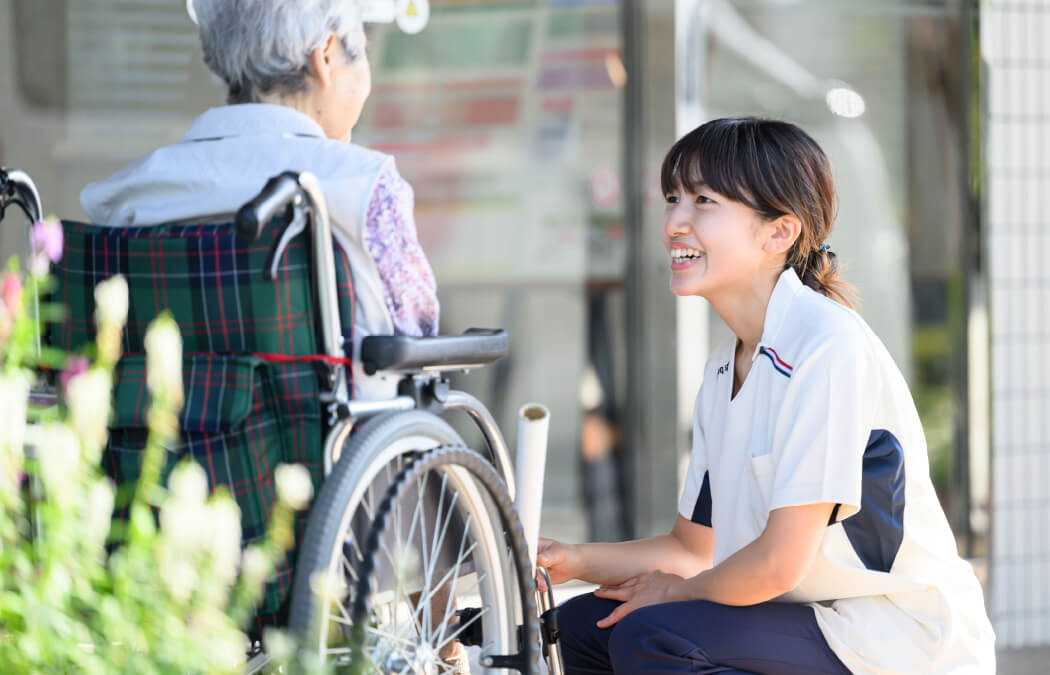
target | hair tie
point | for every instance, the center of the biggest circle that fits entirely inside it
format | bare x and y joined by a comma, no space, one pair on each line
824,248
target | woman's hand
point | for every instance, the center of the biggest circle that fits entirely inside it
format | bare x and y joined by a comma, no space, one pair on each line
651,588
563,562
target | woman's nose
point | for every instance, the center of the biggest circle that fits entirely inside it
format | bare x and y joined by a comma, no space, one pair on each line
676,223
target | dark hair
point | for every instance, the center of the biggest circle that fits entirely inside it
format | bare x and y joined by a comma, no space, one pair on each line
774,168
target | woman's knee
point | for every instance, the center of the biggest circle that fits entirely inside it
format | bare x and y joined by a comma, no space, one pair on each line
580,637
635,640
652,639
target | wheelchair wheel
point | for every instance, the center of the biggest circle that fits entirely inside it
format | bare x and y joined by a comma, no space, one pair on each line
331,553
439,580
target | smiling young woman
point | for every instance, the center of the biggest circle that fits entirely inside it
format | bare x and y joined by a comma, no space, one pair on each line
790,552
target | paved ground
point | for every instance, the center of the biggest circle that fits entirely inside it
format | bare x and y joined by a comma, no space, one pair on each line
1032,661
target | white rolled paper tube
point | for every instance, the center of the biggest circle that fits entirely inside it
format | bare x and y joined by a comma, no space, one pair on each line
533,424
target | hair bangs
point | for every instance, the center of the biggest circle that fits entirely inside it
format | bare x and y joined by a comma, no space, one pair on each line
721,155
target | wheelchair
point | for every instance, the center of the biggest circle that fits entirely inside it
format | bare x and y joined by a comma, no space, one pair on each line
413,543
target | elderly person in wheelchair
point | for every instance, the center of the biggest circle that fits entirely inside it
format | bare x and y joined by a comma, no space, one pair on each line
298,76
308,314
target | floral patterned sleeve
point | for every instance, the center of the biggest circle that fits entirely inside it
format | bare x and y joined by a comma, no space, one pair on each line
390,238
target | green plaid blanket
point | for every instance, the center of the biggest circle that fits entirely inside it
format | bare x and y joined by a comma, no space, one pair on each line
243,414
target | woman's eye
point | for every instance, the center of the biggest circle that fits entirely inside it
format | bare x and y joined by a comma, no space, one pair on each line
704,200
671,199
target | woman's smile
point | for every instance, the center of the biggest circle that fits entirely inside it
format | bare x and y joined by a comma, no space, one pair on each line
683,257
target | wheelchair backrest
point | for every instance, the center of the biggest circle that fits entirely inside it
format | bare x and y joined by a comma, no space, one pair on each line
250,403
211,280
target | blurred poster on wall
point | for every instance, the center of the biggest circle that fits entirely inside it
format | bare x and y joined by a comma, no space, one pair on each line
505,117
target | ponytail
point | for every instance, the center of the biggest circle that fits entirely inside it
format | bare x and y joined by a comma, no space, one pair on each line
819,269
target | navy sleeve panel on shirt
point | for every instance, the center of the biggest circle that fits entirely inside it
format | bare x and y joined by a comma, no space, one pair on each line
877,530
702,510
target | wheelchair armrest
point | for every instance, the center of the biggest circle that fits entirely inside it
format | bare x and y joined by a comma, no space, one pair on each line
399,353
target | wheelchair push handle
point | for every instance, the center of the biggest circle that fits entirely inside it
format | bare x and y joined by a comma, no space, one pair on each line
278,193
16,187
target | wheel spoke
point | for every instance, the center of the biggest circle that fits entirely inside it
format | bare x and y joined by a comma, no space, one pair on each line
348,569
477,584
389,636
338,651
422,575
435,544
455,577
445,666
423,552
368,504
403,550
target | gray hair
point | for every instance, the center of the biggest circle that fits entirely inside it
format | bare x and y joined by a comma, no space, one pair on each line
260,47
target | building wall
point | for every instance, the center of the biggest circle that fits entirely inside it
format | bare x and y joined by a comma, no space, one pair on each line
1017,100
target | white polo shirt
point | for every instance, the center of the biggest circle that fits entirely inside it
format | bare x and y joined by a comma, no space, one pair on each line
826,416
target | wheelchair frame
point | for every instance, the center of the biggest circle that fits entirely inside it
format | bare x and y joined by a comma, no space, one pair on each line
420,363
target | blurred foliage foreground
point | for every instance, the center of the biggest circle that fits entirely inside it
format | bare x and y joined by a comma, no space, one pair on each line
164,590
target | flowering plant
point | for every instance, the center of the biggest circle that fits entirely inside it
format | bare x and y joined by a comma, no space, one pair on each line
165,590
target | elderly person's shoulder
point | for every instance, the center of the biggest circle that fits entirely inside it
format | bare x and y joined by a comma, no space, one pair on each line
224,159
297,77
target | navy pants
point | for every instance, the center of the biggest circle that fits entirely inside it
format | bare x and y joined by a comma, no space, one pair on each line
694,637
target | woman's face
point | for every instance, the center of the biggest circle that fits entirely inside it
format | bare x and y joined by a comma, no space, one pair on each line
714,244
339,105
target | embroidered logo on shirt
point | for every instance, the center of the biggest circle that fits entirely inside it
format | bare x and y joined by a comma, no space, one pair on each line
778,363
722,370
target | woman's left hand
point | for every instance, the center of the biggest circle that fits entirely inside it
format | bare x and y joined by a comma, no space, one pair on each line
651,588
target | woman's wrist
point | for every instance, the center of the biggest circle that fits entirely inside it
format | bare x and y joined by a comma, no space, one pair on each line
687,589
578,555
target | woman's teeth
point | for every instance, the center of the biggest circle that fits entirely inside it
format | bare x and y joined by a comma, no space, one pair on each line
680,254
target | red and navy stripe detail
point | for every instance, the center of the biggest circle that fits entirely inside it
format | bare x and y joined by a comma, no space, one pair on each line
778,363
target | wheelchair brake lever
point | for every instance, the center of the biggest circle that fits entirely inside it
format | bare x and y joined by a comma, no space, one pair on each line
290,232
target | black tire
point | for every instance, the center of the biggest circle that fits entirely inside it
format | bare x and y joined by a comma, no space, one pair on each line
329,514
511,541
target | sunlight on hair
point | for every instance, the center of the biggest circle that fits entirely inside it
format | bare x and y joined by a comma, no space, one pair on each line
845,102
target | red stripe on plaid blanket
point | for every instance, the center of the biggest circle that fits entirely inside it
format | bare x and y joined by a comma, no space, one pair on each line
278,358
306,358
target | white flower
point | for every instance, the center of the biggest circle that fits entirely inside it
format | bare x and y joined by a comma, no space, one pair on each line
188,483
185,526
57,448
164,358
180,577
294,487
14,394
227,651
88,397
111,302
225,542
279,645
254,566
326,586
61,582
99,513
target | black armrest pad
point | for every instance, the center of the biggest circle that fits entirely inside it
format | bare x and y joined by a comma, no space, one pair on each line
399,353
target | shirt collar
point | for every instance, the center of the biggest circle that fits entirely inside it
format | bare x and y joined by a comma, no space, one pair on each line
251,119
788,285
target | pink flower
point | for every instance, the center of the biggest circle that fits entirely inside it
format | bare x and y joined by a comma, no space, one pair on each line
46,236
11,292
74,366
5,324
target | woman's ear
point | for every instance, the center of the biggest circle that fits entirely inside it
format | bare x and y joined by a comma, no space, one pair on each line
323,59
785,230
